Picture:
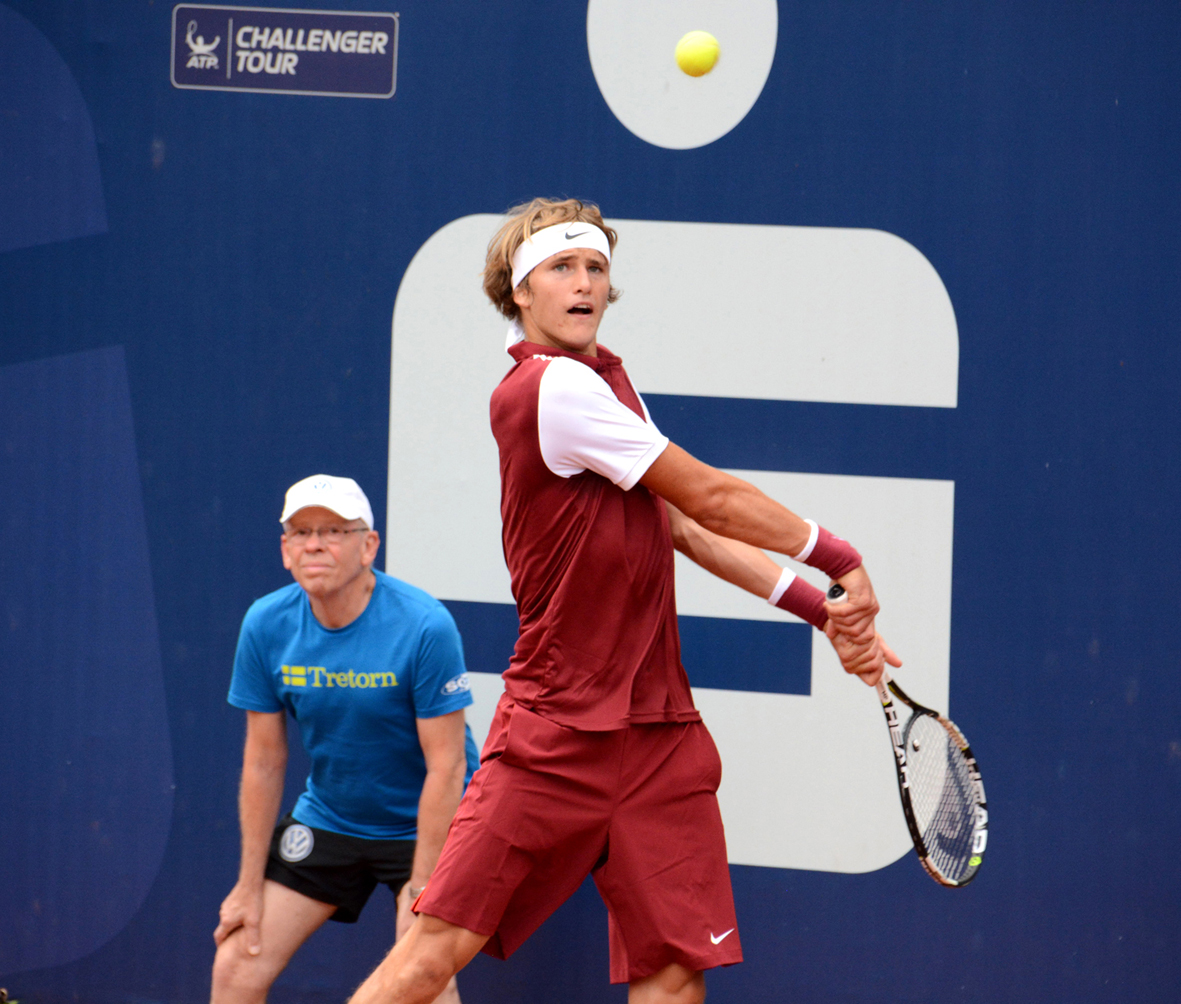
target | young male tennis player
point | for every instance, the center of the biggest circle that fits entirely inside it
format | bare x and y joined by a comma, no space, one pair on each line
597,761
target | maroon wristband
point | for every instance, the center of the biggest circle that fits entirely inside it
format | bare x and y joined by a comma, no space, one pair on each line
804,600
834,556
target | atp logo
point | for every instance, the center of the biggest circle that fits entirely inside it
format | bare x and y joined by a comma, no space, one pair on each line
296,843
201,53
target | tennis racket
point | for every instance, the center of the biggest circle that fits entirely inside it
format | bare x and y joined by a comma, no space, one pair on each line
939,783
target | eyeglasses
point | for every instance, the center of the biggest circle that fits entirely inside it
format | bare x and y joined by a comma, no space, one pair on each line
330,535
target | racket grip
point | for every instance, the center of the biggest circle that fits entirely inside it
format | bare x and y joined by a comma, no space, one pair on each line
836,593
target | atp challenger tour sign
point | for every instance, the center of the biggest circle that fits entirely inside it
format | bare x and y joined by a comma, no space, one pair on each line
279,51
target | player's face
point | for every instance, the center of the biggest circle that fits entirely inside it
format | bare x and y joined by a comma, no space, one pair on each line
326,553
563,302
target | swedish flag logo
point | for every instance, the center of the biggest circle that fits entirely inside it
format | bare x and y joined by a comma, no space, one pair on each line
295,676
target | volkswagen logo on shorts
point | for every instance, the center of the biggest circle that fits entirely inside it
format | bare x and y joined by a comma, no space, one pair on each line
296,843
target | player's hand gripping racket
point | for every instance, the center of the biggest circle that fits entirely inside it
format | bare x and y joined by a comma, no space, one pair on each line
939,783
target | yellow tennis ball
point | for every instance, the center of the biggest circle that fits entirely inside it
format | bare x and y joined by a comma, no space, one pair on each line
697,53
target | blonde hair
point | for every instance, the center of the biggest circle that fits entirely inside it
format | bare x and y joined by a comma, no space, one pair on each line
524,221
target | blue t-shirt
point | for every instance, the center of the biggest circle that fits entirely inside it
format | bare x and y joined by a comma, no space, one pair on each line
355,693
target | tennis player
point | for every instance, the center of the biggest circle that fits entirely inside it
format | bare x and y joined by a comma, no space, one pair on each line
597,761
372,670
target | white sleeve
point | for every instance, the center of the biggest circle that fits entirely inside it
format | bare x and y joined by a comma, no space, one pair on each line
582,425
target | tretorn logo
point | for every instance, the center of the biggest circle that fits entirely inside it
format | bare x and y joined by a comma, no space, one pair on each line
296,843
320,676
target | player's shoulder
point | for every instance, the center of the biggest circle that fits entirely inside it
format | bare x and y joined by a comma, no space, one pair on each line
570,386
522,377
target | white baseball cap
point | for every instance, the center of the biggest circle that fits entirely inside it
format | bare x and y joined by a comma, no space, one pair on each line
342,495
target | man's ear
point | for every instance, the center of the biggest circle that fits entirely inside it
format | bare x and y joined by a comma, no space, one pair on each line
369,552
523,295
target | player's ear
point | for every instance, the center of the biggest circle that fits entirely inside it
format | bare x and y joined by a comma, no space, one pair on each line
283,551
523,295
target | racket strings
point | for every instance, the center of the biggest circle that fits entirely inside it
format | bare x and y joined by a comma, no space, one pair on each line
941,795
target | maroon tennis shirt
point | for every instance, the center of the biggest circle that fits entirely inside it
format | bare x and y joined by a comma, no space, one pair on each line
588,549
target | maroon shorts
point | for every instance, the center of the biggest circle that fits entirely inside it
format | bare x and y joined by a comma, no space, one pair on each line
635,807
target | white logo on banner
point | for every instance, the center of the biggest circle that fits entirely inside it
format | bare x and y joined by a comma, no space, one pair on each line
786,313
202,54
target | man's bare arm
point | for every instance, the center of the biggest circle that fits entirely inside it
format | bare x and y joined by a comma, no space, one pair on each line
724,504
737,563
730,508
442,740
264,764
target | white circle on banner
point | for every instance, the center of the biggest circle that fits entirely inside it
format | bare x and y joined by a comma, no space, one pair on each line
632,49
296,843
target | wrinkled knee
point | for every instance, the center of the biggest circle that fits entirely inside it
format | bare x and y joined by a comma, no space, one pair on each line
432,969
672,985
237,975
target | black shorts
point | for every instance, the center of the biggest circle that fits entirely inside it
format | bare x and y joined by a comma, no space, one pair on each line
335,868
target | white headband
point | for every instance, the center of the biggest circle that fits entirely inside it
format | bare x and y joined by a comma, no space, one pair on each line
552,240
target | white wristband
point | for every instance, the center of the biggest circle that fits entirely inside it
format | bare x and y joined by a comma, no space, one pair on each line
786,578
812,538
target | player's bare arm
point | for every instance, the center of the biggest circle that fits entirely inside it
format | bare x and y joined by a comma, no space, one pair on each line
732,560
749,568
264,763
730,508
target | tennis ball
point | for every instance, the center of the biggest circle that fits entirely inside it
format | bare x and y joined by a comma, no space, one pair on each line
697,53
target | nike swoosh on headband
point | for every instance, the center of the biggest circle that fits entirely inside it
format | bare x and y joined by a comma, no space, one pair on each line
552,240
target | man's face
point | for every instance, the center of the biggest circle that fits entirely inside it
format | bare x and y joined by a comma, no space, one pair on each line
325,552
563,303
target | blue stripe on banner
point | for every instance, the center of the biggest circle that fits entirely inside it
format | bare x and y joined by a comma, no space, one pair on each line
771,657
489,633
816,438
763,656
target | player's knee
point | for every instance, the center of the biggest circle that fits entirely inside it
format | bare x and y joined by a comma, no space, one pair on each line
432,969
237,975
426,964
673,985
691,992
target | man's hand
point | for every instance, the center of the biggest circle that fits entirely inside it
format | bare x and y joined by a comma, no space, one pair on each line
851,629
241,908
864,660
853,615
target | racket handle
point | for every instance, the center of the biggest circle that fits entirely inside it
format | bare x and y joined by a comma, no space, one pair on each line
836,594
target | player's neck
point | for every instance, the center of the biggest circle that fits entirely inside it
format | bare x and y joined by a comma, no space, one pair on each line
342,606
538,336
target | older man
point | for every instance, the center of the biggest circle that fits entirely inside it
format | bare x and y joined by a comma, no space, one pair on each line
372,671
